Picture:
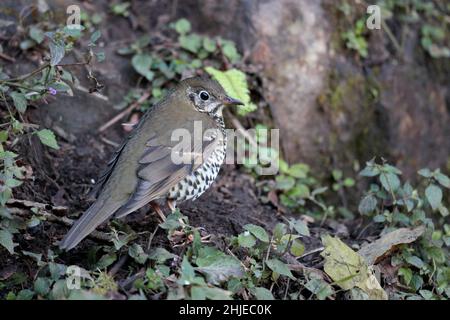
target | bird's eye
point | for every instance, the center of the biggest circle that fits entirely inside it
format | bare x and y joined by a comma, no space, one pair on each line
204,95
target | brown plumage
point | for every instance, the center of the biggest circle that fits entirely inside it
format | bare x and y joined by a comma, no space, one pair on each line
142,169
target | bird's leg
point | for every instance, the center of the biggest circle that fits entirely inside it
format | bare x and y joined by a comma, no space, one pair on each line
172,205
158,210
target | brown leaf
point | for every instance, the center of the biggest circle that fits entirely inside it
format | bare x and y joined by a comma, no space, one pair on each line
377,250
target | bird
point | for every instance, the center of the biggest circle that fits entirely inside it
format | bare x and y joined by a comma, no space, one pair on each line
152,166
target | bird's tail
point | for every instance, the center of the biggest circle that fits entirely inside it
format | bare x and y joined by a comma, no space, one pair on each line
97,213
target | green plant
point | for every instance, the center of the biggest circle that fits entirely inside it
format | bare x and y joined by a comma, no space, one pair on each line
424,268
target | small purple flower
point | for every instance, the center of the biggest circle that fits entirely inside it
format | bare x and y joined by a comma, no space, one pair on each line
52,91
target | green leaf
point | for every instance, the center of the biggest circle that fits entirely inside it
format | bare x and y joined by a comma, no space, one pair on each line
349,269
337,174
209,45
298,170
95,36
48,138
142,64
217,266
300,226
106,260
6,240
320,288
230,51
434,196
443,180
407,275
279,231
36,34
425,172
258,232
161,255
183,26
415,261
137,253
246,240
19,100
42,286
349,182
370,171
299,191
262,293
235,84
57,52
367,205
192,42
284,182
279,267
389,181
25,294
297,248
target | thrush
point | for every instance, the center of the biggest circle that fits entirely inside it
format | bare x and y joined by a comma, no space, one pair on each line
152,165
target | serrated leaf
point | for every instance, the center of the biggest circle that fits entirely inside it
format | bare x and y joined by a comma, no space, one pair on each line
235,84
57,52
389,181
161,255
48,138
217,266
279,267
19,100
258,232
137,253
434,196
367,205
6,240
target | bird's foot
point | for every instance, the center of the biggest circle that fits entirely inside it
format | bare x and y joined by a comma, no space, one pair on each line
158,211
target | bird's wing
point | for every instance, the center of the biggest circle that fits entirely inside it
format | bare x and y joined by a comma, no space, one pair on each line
160,168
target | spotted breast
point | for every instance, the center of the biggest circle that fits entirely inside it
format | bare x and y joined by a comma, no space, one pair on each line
195,184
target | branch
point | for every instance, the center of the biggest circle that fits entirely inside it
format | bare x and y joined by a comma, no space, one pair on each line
125,112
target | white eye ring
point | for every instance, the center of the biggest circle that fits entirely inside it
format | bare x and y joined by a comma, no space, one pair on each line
204,95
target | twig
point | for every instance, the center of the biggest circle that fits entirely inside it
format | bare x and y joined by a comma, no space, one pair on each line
242,130
125,112
119,264
311,252
7,58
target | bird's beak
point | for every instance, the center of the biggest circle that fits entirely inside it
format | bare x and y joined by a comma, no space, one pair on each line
228,101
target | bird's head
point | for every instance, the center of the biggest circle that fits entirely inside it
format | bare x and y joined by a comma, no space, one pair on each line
208,96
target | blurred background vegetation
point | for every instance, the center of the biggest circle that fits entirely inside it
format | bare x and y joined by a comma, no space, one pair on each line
364,132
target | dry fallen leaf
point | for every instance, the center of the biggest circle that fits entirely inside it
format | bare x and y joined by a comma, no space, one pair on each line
377,250
348,269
